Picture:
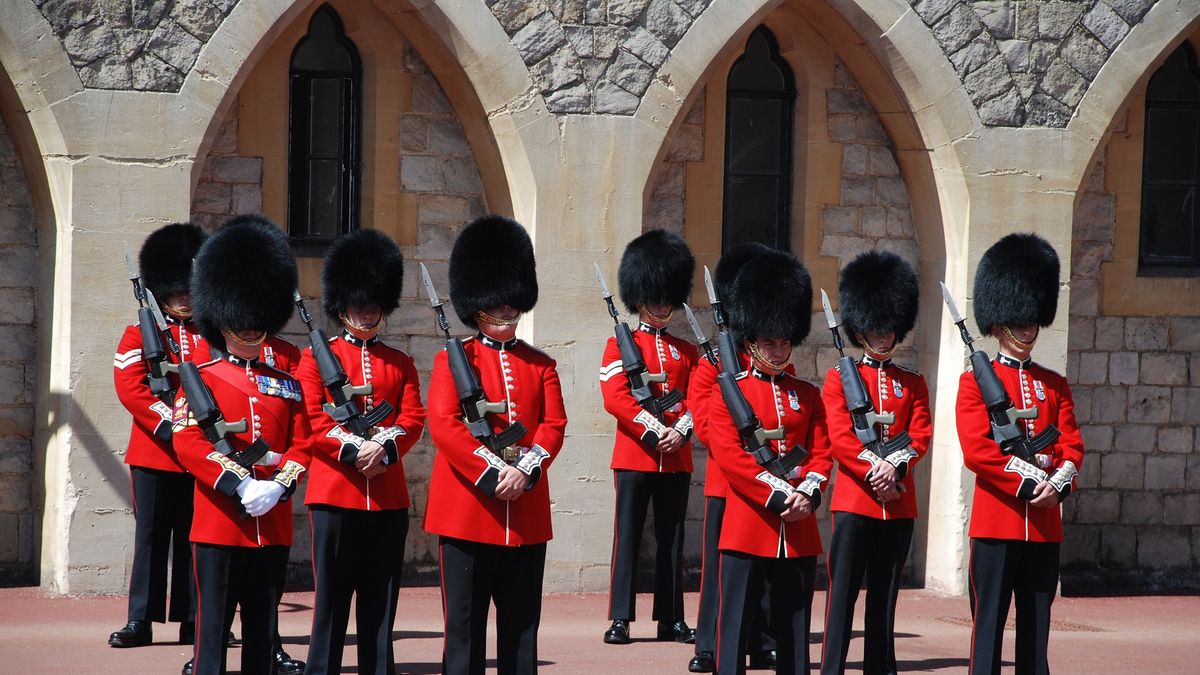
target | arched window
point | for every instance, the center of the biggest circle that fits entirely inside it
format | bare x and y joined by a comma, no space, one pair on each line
760,94
324,134
1170,231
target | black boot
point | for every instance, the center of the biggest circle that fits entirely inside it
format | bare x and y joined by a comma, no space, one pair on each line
135,634
286,665
702,662
677,631
187,668
617,633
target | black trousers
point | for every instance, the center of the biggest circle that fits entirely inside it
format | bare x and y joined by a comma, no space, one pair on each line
361,554
162,510
474,574
228,576
759,640
874,548
635,491
1002,569
791,595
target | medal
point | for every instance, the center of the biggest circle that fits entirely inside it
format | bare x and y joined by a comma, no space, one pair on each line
897,389
1039,390
794,401
674,352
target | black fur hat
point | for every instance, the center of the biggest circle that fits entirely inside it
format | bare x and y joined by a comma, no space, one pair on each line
1016,283
730,264
878,294
491,265
243,279
362,269
165,260
774,299
656,268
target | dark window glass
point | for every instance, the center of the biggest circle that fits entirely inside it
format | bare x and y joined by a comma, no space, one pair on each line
1170,227
760,95
324,141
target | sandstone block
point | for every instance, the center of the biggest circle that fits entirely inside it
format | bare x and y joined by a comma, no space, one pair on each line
687,144
646,46
1106,25
667,21
1135,438
1081,544
536,39
1145,334
998,16
847,101
1184,333
844,247
1097,437
1042,110
462,176
414,133
1087,257
199,19
1056,18
443,209
207,198
1131,11
422,173
891,191
630,73
990,81
957,28
1110,333
1123,368
1151,404
973,55
1093,367
558,70
857,191
1085,53
670,179
1164,548
1176,439
1185,405
899,222
611,99
625,11
514,14
576,99
931,11
15,495
1064,84
1098,506
245,198
1108,404
1193,470
1139,507
1016,54
839,219
1081,333
1085,297
1122,471
1165,472
427,96
882,162
1118,546
1181,509
841,128
874,221
854,159
1164,369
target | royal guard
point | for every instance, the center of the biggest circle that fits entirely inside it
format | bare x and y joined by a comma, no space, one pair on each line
767,430
489,502
162,488
652,454
874,502
760,644
357,491
241,429
1022,471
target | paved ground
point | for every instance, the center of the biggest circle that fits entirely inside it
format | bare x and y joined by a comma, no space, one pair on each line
1140,635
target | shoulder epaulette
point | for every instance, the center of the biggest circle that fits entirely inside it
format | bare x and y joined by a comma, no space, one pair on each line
906,369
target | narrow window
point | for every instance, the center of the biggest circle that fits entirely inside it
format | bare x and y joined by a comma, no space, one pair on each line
1170,229
324,135
760,94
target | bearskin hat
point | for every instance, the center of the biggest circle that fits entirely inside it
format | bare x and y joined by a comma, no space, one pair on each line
491,265
731,263
656,268
362,269
165,260
243,279
1016,283
774,299
878,294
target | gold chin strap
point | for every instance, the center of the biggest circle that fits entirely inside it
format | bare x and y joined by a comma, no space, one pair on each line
176,313
1025,346
654,319
496,321
878,356
764,364
360,332
230,335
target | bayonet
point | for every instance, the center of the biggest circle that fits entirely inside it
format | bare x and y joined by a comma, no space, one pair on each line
434,302
832,320
713,300
701,339
161,321
606,294
134,277
956,317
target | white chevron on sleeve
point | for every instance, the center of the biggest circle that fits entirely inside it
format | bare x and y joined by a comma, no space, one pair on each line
614,368
123,361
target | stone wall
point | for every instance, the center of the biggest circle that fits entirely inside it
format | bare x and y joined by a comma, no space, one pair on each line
1135,523
438,172
18,279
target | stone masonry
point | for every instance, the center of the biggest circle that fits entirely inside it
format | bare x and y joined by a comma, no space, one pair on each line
595,56
1136,381
144,46
18,279
230,183
1028,64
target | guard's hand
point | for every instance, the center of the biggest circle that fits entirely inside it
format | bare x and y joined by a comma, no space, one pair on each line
369,460
886,495
882,477
512,484
671,442
261,496
798,507
1044,495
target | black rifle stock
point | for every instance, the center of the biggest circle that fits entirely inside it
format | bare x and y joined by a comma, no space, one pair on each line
756,439
212,422
154,353
863,415
1003,415
343,409
638,376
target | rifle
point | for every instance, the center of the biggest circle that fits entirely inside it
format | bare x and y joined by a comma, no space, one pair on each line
858,402
725,347
474,405
1002,414
701,338
212,422
343,409
634,365
756,439
153,326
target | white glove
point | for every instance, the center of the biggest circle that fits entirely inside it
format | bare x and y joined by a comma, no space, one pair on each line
241,487
260,496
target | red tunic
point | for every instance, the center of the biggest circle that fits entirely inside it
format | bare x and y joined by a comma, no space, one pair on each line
750,526
150,438
997,512
638,430
893,389
280,354
525,378
333,479
280,422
